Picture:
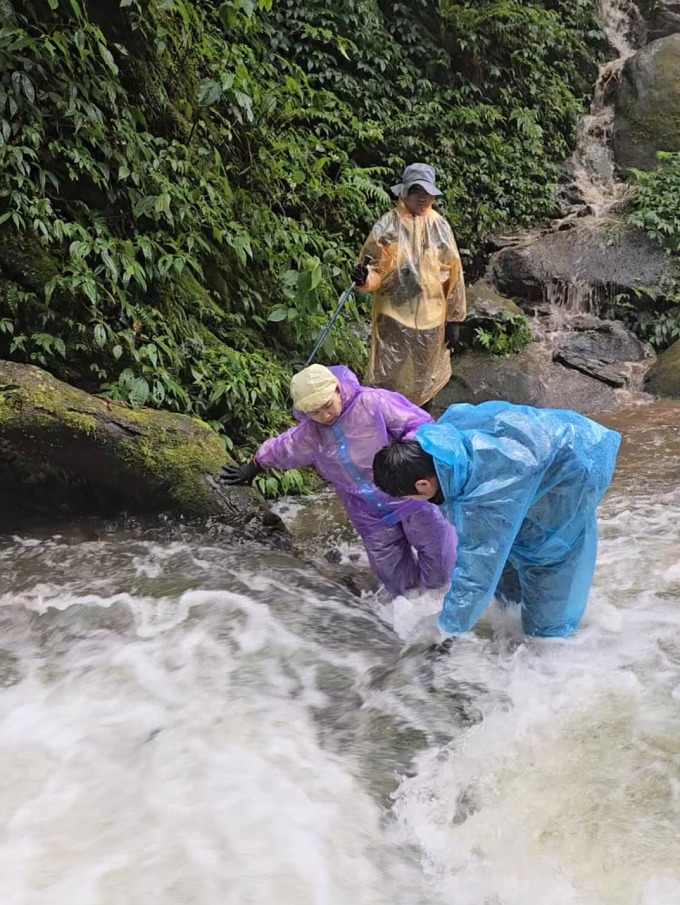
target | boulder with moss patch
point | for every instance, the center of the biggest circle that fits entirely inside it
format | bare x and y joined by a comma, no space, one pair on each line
65,451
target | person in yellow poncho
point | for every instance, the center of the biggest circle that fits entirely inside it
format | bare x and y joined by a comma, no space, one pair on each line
418,291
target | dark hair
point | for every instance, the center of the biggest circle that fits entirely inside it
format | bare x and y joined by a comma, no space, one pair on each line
397,467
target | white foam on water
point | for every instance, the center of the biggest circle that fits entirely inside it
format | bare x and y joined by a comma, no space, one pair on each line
179,766
161,740
571,794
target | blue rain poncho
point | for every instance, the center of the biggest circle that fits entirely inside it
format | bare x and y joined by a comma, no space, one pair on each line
522,486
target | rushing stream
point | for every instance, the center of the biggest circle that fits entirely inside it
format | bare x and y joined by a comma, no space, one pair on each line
183,720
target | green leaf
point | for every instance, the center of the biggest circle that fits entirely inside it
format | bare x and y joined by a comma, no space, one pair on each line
107,56
89,287
27,88
315,277
100,335
152,352
228,15
110,264
117,351
277,314
139,392
209,92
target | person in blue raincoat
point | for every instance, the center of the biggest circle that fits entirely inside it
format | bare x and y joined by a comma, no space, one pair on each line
522,486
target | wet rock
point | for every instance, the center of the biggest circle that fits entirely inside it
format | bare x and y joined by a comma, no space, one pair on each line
529,378
66,452
586,322
662,17
324,537
592,367
647,105
485,304
663,378
605,341
580,268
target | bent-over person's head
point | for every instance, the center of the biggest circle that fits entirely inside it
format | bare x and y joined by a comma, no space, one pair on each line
316,392
417,188
404,469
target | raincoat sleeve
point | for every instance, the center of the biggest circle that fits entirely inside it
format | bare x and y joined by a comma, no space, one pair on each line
295,448
489,483
402,418
383,251
454,288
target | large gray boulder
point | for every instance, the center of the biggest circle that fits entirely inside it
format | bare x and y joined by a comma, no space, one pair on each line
531,377
647,105
580,267
663,378
608,342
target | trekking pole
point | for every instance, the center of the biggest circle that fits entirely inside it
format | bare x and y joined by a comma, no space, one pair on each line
341,302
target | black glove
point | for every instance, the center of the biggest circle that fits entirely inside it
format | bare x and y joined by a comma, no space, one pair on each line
452,334
359,274
235,475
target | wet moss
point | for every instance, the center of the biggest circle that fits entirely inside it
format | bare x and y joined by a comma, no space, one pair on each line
24,259
170,457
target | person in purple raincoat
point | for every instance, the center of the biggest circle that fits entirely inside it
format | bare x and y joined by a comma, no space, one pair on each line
341,427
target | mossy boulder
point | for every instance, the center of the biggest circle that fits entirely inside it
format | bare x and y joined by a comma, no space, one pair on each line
647,105
663,378
486,306
64,450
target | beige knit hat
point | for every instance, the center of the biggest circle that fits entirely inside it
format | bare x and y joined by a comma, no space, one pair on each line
312,388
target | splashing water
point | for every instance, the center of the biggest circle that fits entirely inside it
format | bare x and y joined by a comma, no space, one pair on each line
185,722
593,160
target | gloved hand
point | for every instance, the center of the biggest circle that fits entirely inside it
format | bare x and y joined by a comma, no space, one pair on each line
359,274
452,334
238,475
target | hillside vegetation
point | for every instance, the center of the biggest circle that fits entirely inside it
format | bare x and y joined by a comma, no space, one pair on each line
183,185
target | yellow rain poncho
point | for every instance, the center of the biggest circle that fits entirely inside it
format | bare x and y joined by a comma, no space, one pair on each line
417,283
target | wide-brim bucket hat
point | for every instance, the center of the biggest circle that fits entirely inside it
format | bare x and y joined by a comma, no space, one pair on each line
416,174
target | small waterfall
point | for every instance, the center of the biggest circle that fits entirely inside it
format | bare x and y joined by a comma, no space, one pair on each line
593,161
575,297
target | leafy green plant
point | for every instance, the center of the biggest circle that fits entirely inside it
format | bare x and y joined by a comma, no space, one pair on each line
507,336
655,206
184,185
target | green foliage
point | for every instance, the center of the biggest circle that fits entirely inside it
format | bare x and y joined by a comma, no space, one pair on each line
183,185
488,91
509,335
180,227
660,328
654,318
655,207
655,210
